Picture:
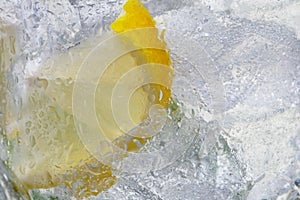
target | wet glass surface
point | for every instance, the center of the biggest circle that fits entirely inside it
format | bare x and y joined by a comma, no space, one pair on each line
233,130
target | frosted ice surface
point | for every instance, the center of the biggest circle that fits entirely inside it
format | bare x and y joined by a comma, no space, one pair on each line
237,81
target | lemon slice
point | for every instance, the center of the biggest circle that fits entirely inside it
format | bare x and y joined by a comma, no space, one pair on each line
59,80
47,150
138,17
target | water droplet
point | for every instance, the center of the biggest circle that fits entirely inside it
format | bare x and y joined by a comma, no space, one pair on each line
297,182
152,97
28,124
27,130
22,169
32,164
41,114
32,141
42,83
58,81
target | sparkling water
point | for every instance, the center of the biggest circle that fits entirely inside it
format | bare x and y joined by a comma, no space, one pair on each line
236,132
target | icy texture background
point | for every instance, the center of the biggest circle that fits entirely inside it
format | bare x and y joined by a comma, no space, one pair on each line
237,82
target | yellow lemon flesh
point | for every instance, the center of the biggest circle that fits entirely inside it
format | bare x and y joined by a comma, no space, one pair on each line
46,150
137,17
